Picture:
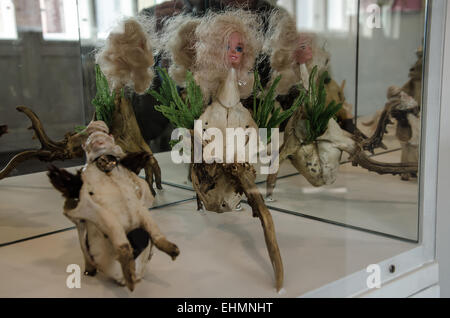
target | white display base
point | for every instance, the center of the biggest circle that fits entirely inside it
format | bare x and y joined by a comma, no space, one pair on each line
221,256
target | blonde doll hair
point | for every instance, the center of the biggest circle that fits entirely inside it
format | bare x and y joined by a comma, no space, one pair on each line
212,34
127,57
282,40
179,40
281,43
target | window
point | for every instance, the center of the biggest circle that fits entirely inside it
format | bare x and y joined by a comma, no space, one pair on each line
98,17
142,4
322,15
8,28
59,19
108,12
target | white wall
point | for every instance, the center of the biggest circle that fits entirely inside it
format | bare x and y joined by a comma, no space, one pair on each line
443,199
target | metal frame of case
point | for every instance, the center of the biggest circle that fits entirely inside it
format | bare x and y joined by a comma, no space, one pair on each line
420,262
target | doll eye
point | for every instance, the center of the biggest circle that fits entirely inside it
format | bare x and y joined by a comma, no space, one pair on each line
239,49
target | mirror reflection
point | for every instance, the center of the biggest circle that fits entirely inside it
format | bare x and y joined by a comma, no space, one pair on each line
371,51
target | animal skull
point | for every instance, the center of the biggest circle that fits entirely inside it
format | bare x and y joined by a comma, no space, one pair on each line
226,111
219,186
319,161
115,229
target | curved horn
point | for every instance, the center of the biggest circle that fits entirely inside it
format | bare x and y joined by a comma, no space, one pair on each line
260,210
45,141
21,157
359,157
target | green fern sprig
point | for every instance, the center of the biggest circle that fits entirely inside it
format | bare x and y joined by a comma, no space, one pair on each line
264,103
182,114
104,99
317,113
79,129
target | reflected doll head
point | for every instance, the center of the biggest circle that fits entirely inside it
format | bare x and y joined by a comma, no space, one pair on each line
303,52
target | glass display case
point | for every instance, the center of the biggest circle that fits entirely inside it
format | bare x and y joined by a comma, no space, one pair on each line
384,64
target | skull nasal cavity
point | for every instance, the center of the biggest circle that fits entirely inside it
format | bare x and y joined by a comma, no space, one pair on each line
138,239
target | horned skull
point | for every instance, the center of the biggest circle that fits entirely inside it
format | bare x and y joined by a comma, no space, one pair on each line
226,111
219,186
109,204
319,161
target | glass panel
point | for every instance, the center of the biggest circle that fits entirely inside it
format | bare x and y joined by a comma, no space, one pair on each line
370,56
31,76
370,48
391,43
44,76
96,19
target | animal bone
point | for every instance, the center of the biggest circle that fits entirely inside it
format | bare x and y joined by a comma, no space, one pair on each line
406,112
319,161
226,111
109,206
68,148
219,186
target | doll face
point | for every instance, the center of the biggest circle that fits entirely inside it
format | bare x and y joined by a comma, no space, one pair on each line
235,49
303,52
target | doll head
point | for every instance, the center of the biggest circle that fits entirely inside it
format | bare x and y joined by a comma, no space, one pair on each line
285,44
288,49
226,40
303,51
